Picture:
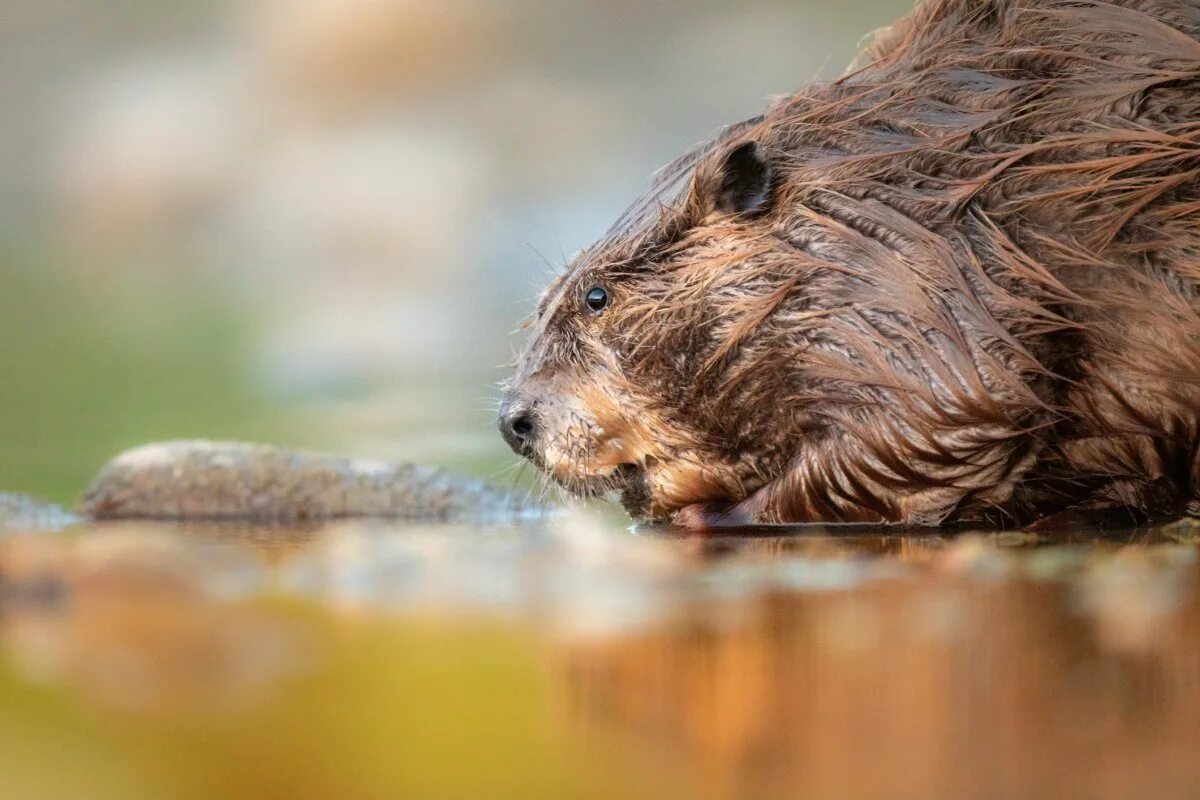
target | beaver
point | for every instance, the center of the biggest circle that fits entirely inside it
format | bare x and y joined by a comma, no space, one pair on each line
960,283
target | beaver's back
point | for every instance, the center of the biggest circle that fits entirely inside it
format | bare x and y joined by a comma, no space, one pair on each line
1041,158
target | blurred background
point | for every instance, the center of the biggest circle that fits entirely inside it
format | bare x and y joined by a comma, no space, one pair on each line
317,222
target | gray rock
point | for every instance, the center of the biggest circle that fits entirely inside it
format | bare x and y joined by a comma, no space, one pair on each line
201,480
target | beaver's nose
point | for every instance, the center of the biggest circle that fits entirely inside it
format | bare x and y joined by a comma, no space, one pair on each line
517,425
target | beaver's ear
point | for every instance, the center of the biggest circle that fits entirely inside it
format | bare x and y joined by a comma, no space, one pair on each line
743,183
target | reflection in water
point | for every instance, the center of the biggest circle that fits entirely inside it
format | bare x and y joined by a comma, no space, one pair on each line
577,660
983,675
141,621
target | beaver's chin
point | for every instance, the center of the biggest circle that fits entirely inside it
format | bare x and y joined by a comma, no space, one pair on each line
637,492
634,492
625,483
640,488
654,490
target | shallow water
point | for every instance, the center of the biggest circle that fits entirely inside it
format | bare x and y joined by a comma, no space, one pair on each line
576,658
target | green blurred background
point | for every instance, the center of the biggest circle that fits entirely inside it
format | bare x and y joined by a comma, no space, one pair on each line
316,222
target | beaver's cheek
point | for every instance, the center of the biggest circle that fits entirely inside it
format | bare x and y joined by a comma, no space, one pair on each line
620,450
610,452
621,441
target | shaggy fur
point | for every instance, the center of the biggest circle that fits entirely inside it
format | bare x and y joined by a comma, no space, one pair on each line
971,291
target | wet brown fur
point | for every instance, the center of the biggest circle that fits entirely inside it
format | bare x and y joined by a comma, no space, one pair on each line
974,291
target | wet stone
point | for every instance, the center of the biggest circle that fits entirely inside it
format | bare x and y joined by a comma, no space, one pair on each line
201,480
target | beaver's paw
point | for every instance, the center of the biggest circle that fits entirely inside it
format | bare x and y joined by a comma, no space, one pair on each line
704,516
696,517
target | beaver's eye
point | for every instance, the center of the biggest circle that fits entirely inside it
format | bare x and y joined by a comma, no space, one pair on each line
596,298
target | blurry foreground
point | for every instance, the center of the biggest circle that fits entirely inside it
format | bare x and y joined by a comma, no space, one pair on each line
572,659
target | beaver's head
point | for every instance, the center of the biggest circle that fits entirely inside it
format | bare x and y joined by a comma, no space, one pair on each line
642,377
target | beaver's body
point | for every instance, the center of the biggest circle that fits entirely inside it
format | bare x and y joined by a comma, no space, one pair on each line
962,281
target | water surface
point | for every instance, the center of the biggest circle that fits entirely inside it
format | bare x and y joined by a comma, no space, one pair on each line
579,659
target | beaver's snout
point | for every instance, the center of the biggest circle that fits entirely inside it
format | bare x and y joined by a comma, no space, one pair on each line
518,425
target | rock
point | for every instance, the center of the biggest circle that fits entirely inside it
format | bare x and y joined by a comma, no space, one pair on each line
201,480
19,512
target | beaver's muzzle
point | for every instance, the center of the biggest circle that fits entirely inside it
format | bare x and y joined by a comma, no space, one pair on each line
518,425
